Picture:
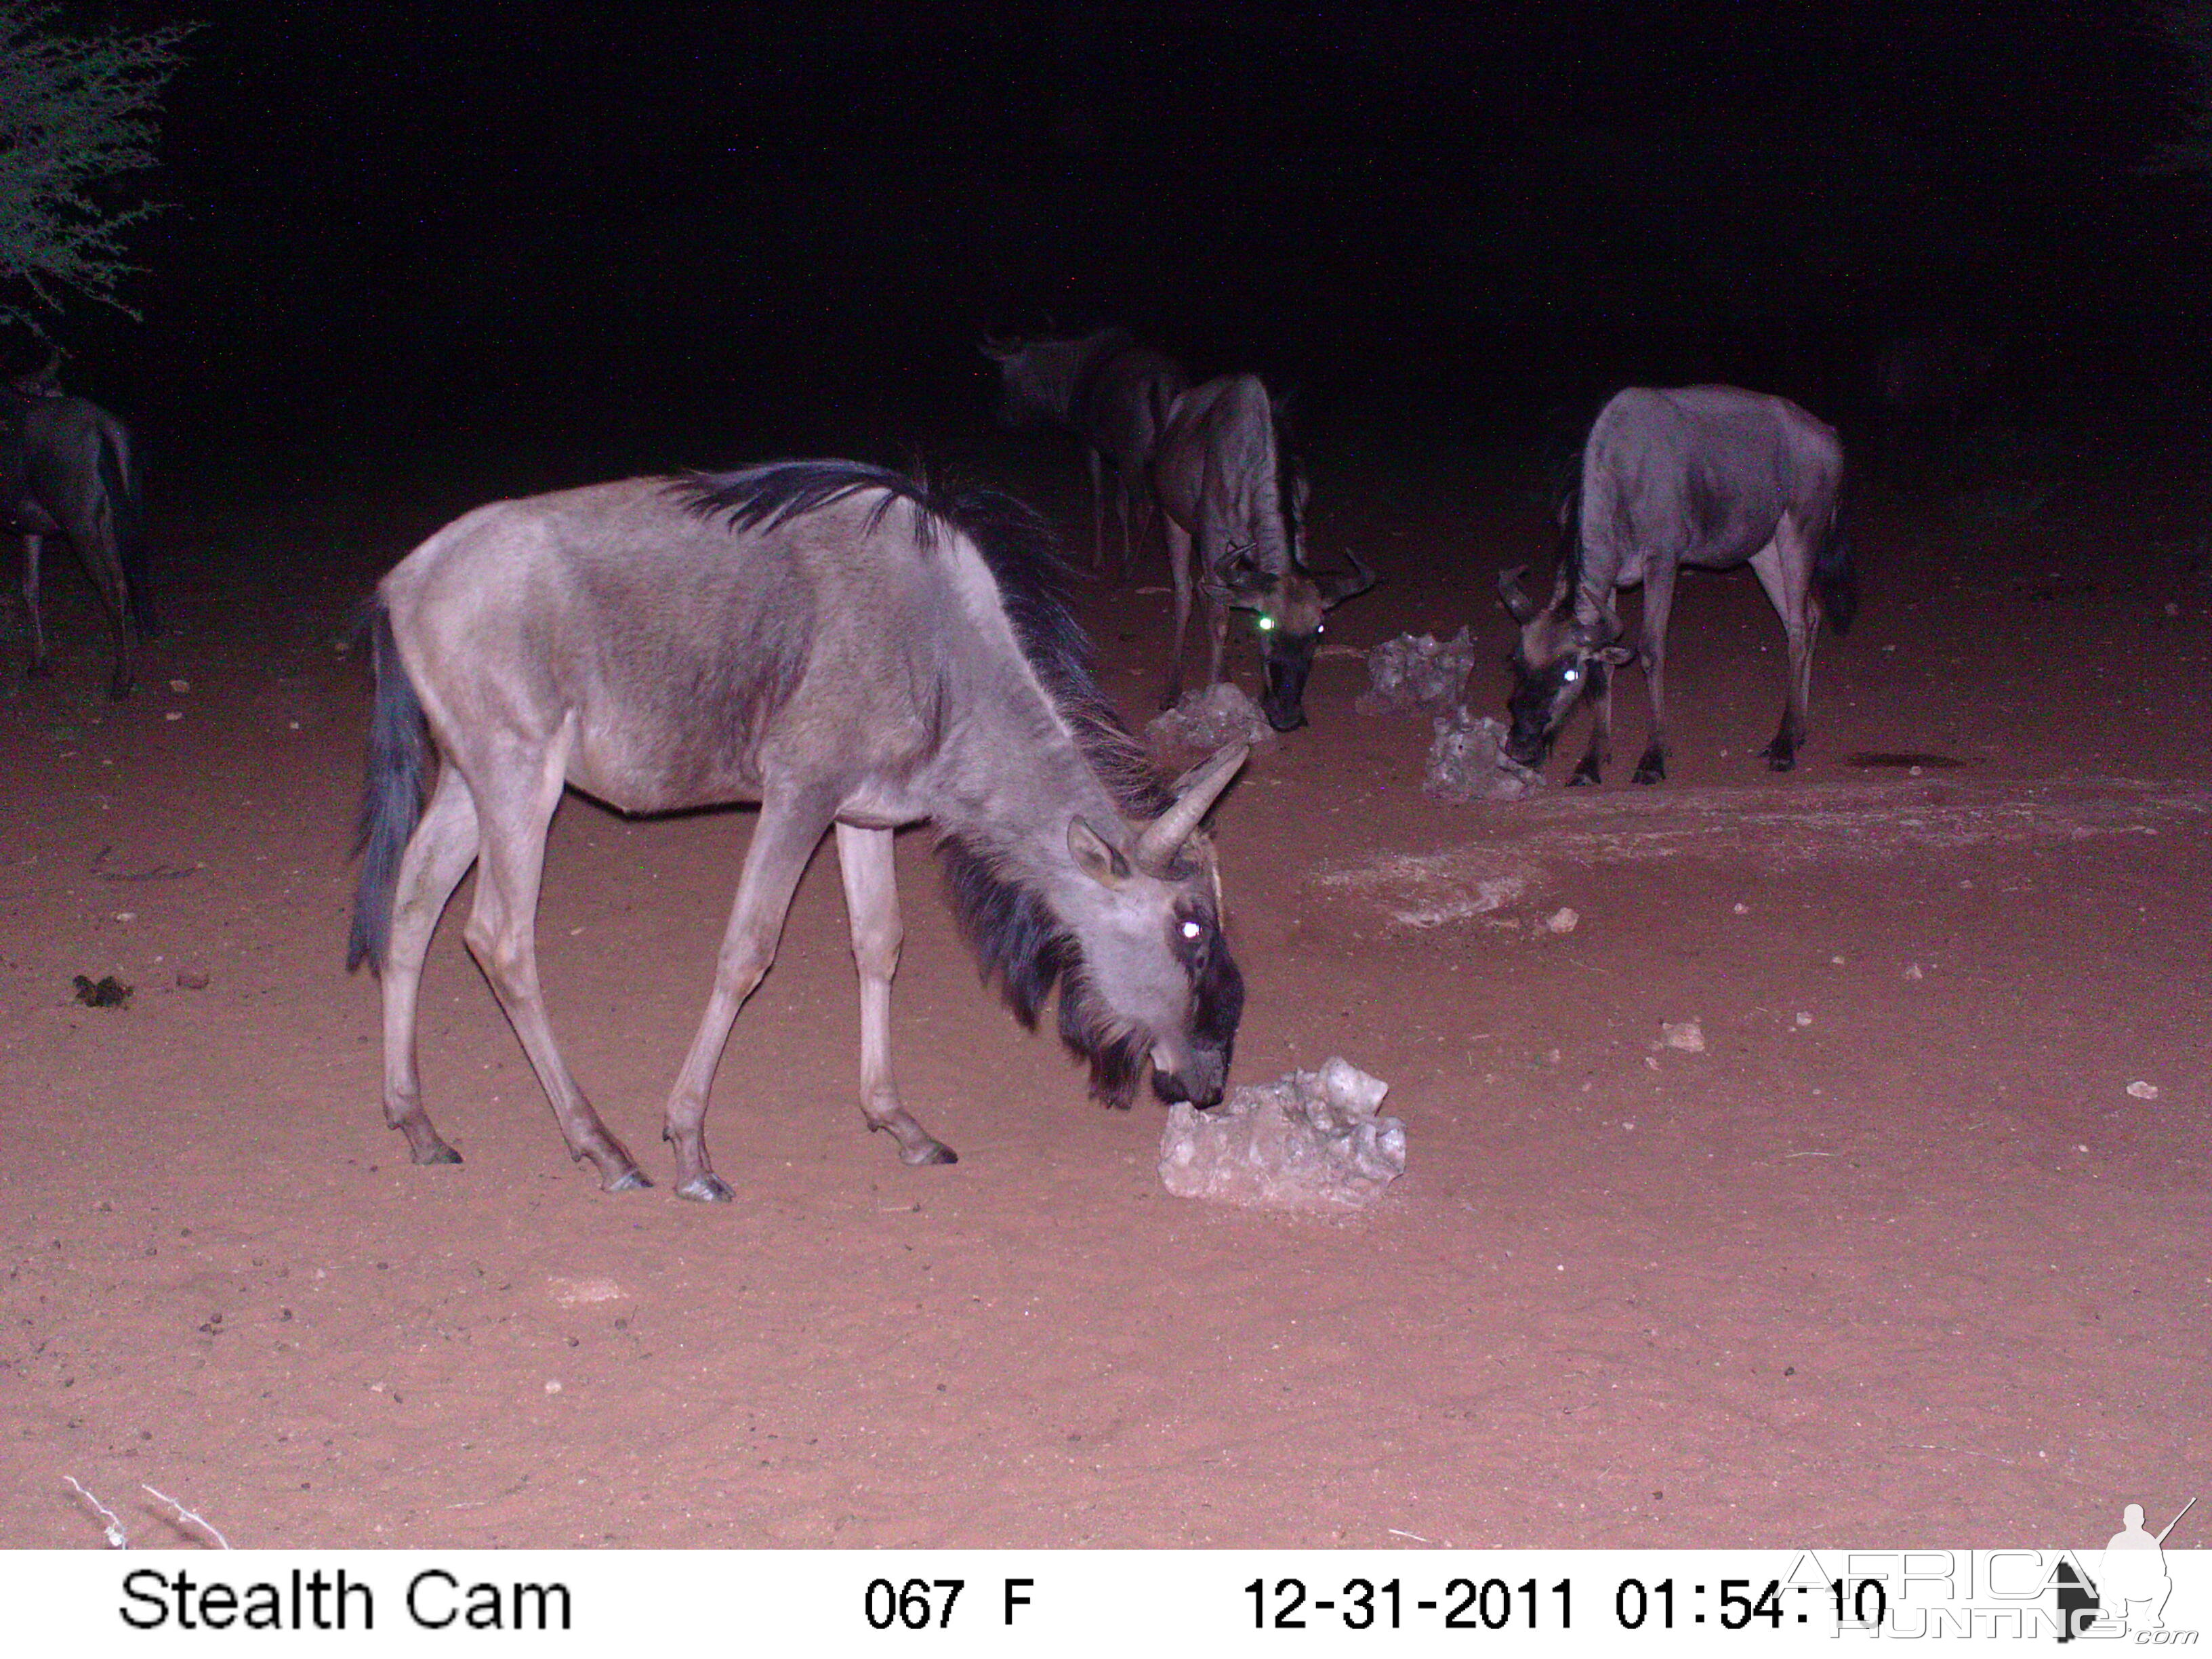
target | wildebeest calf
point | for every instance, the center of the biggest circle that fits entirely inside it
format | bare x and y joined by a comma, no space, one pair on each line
1708,475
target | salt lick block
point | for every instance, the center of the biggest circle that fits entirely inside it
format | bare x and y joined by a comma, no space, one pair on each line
1313,1142
1415,672
1468,762
1211,718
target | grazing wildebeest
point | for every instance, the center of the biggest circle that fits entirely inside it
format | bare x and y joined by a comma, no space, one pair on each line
1234,507
847,648
66,469
1706,476
1111,393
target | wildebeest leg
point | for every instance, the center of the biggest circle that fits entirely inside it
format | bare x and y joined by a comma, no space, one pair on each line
789,830
31,548
107,576
1097,507
1122,507
1658,602
1785,571
438,854
864,859
1179,572
515,786
1591,767
1217,625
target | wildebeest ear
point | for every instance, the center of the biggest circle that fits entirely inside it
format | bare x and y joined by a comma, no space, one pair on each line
1338,586
1242,578
1096,856
1595,636
1521,608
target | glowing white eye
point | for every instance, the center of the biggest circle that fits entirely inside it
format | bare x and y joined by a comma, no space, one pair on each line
1320,628
1266,624
1571,675
1192,930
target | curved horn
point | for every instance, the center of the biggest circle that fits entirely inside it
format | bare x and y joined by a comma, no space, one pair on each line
1516,601
1162,839
1340,586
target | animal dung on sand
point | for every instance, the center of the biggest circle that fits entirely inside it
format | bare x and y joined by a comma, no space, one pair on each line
1416,672
1314,1141
1468,762
1209,718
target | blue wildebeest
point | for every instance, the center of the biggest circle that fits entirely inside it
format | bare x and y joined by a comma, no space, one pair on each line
1929,383
66,469
848,649
1109,391
1233,507
1706,476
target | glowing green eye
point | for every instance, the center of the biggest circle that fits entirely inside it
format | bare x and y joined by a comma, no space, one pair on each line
1266,624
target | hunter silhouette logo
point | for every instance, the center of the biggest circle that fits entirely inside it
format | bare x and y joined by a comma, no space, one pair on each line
2131,1585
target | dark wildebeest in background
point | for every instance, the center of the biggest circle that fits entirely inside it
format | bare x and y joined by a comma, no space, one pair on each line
1706,476
1112,393
66,468
848,650
1233,503
1929,384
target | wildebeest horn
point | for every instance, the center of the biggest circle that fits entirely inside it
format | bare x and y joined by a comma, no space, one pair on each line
998,350
1509,589
1342,585
1195,793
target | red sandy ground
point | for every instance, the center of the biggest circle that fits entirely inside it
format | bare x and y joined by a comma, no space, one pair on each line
1918,1270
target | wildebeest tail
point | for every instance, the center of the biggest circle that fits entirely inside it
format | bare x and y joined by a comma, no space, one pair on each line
1567,565
118,487
1161,392
1834,575
391,794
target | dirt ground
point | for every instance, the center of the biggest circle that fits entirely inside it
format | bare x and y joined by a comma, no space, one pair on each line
1898,1258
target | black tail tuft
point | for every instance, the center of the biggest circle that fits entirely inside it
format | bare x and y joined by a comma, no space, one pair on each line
391,794
1567,565
1835,575
118,481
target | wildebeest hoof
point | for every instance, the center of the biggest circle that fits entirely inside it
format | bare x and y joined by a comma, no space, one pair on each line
1779,756
40,669
629,1181
936,1152
1585,774
708,1188
440,1154
1652,769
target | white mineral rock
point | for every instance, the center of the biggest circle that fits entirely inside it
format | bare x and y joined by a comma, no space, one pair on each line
1416,672
1209,718
1468,762
1314,1141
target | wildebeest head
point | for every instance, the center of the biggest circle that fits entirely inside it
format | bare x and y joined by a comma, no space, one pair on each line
1287,609
1556,663
1154,981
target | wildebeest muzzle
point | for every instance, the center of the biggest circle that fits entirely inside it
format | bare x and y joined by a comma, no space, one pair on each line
1288,663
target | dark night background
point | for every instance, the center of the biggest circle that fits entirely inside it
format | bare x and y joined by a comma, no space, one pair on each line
659,235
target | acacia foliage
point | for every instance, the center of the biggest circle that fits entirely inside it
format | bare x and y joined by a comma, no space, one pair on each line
77,113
